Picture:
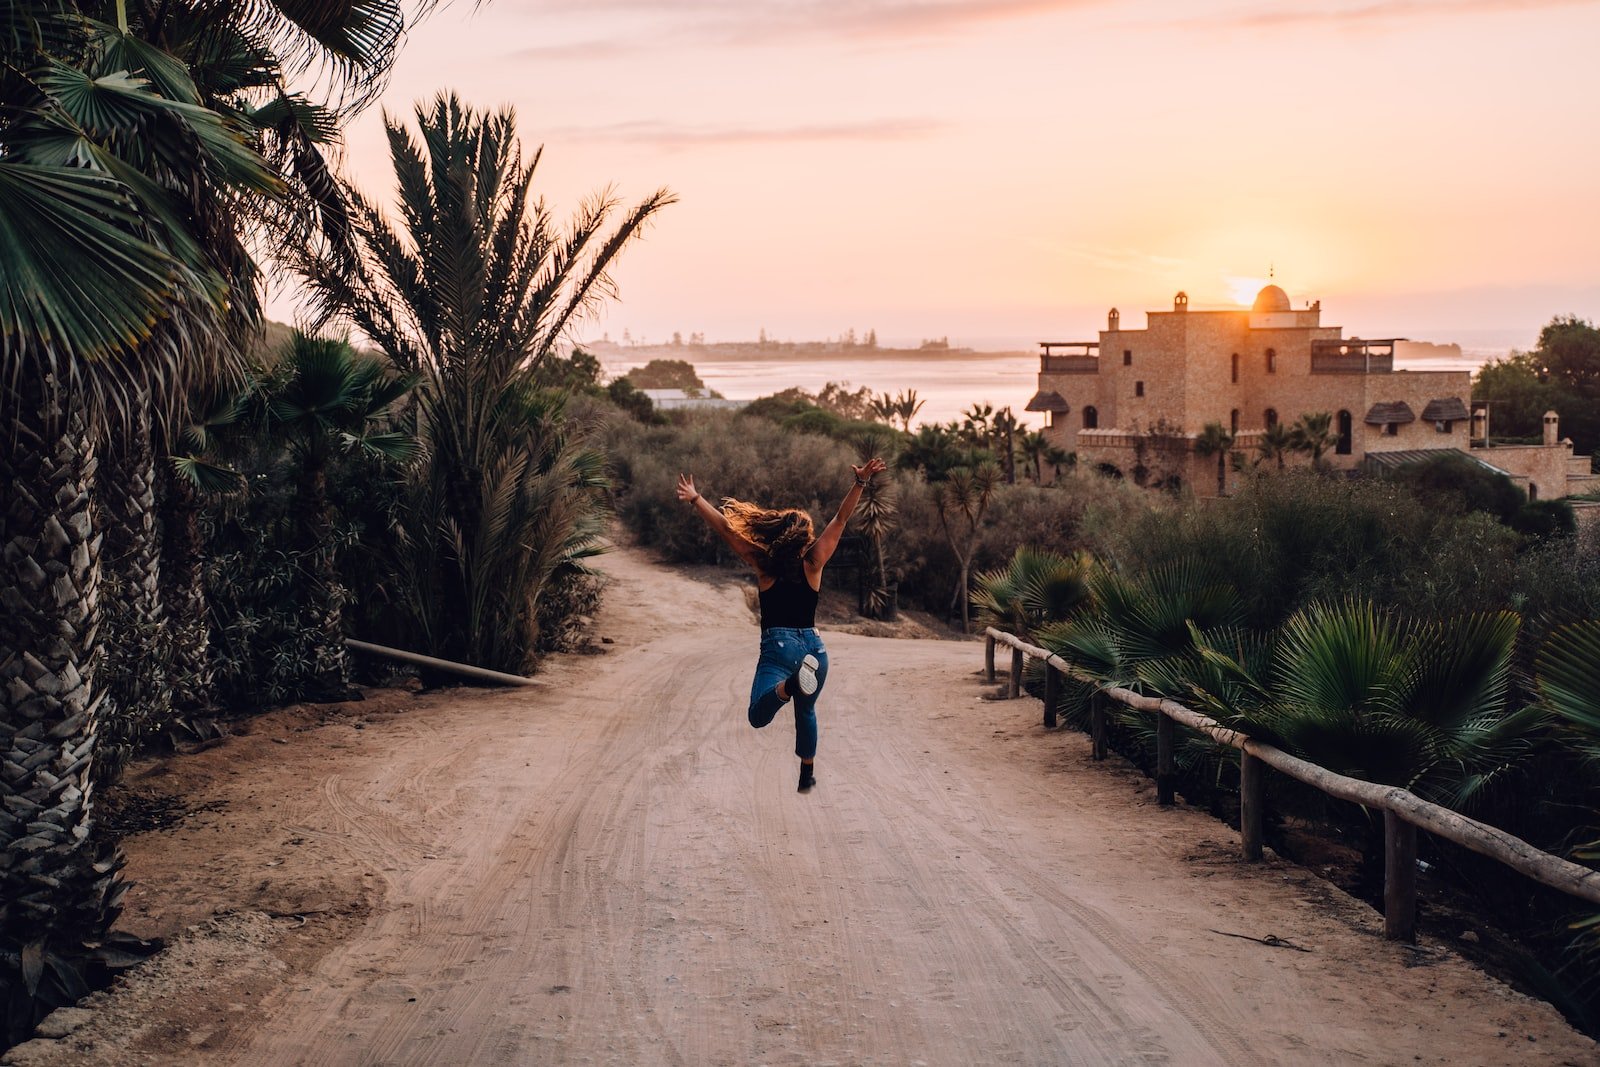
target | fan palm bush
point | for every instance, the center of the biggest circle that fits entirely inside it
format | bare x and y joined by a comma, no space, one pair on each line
1036,587
1418,703
471,290
1142,621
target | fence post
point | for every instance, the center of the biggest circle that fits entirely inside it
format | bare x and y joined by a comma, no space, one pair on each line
1399,878
988,658
1052,695
1252,804
1016,673
1166,761
1097,723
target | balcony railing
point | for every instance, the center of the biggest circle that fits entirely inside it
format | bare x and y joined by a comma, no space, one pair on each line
1069,357
1353,356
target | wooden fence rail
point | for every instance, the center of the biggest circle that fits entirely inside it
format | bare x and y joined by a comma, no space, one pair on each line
1403,811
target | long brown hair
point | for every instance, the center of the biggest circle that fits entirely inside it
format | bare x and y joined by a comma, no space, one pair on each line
783,536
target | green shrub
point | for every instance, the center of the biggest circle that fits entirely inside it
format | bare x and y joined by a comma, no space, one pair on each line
730,455
1457,483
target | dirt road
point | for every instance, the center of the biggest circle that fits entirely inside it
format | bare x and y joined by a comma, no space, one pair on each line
614,868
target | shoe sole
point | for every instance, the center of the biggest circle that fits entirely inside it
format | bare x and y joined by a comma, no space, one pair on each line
807,675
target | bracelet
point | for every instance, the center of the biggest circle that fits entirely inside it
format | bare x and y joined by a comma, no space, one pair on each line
694,500
862,482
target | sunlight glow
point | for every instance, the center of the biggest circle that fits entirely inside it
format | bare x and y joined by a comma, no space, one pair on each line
1242,291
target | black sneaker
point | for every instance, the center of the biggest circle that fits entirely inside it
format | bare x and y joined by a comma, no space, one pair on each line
808,777
804,680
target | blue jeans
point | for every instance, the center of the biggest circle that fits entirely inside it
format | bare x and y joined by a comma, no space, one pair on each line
782,649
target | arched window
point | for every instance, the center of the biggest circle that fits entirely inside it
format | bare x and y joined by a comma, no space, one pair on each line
1342,448
1091,418
1533,491
1233,421
1236,366
1271,417
1272,361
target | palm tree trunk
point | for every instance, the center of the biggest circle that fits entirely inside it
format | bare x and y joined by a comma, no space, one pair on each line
183,581
135,672
331,669
58,882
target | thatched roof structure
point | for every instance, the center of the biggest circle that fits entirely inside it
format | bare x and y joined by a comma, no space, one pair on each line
1391,412
1048,400
1448,409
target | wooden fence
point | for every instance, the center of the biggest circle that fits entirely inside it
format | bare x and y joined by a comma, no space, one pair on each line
1403,811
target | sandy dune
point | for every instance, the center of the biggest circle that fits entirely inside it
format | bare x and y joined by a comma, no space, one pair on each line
613,868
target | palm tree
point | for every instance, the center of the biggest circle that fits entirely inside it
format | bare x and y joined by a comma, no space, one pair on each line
1034,446
883,408
1058,458
128,181
906,406
877,516
471,292
1215,440
962,500
193,468
1313,435
321,400
1004,430
1275,444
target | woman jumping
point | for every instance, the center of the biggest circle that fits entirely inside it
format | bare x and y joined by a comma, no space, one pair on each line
779,544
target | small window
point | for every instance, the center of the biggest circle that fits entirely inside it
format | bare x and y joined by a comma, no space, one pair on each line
1233,421
1138,389
1533,491
1346,428
1391,429
1127,357
1444,425
1091,418
1236,366
1270,417
1272,361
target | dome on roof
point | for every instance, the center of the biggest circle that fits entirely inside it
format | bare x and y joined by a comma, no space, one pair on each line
1272,298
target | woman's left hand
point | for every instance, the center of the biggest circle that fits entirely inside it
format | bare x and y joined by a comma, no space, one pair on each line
872,466
686,490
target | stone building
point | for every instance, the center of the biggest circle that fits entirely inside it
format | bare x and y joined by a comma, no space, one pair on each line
1135,401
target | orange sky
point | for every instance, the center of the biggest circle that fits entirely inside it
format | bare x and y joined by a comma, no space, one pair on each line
1007,170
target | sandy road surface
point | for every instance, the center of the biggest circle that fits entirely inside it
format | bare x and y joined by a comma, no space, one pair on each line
613,868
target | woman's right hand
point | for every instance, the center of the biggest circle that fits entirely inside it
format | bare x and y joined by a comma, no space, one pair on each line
686,490
873,466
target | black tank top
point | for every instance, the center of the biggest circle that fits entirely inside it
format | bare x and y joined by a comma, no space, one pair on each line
789,604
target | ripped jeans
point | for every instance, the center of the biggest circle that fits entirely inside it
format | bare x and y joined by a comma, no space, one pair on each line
782,649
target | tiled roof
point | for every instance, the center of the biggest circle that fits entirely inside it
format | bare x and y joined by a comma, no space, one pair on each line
1447,409
1384,413
1048,400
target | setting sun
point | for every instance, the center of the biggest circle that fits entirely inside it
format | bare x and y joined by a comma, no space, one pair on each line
1242,291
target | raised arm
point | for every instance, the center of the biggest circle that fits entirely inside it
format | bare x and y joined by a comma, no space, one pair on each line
717,521
828,541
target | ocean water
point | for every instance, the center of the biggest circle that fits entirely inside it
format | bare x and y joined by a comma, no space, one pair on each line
948,385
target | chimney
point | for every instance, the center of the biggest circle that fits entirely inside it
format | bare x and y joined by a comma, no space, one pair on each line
1180,302
1552,429
1113,321
1480,424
